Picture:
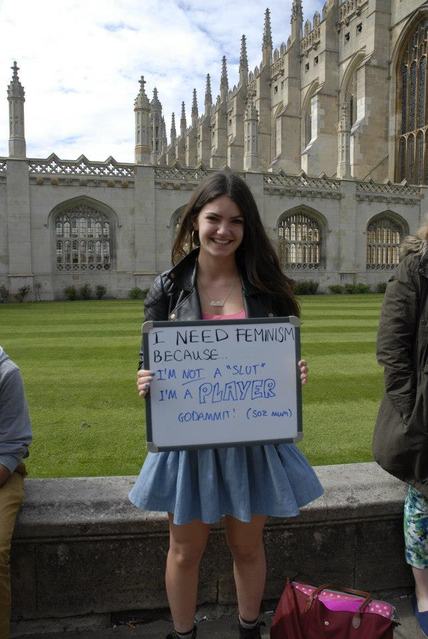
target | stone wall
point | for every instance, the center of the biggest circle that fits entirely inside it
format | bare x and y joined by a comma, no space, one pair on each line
81,551
143,204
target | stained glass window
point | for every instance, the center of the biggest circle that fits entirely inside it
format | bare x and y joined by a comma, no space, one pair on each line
402,160
410,156
384,236
403,98
412,97
299,242
419,162
83,239
421,92
411,149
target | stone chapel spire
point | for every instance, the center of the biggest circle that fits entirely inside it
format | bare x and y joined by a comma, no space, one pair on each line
243,62
296,10
142,125
208,96
251,152
195,114
164,140
267,40
155,105
224,83
173,130
156,126
16,99
296,20
183,123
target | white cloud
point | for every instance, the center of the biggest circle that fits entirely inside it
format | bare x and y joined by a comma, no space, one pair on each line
80,62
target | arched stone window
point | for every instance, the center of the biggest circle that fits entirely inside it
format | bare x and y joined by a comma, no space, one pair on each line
412,160
384,236
299,241
83,239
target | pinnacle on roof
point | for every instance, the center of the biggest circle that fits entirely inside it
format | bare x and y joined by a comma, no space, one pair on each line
267,33
224,83
155,101
194,105
183,123
208,96
243,60
163,136
173,129
142,101
297,11
15,88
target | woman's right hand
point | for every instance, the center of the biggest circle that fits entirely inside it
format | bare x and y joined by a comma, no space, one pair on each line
144,378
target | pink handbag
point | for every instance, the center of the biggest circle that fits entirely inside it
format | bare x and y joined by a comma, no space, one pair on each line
306,612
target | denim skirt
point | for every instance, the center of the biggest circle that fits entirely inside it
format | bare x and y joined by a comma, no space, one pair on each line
240,481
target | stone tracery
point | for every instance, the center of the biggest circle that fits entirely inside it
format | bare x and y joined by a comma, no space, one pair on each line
384,236
412,159
82,239
336,180
299,242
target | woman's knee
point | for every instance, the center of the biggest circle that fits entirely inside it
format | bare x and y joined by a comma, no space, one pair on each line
187,543
244,552
185,556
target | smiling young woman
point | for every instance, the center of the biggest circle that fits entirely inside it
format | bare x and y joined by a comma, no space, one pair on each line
220,229
225,267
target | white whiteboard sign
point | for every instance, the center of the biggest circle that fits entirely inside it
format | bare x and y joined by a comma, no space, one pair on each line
222,383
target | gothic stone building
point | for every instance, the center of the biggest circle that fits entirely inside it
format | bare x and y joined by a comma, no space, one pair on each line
330,131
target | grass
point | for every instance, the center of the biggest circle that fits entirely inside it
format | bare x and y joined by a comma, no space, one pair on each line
79,361
341,400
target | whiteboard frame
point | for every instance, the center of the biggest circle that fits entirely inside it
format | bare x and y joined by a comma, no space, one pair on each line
150,429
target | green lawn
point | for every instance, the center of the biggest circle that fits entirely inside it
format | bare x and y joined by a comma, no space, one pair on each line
341,400
79,361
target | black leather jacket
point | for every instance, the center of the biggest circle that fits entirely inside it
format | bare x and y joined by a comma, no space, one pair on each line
174,296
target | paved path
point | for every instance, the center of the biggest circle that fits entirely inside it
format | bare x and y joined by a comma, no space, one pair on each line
215,628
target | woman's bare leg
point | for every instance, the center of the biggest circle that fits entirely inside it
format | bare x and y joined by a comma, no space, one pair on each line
421,590
186,547
245,541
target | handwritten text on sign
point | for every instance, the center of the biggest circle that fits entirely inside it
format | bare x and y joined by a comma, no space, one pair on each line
221,383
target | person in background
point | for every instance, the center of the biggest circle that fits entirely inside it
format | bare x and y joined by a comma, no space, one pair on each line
400,443
225,268
15,437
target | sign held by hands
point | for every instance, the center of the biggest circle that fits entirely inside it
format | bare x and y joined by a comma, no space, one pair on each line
222,383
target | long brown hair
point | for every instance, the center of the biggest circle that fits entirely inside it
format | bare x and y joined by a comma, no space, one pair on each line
255,257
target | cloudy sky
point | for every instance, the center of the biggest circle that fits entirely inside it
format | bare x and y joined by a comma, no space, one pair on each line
80,62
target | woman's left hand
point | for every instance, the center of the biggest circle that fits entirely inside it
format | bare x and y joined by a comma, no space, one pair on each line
304,371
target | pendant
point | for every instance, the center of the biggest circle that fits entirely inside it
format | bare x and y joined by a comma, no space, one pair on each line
217,303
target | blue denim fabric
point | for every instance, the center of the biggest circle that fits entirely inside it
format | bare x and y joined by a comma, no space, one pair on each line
240,481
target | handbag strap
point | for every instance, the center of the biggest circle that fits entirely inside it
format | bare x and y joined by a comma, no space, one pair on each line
351,591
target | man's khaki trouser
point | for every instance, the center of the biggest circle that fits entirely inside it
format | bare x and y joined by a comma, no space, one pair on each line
11,495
